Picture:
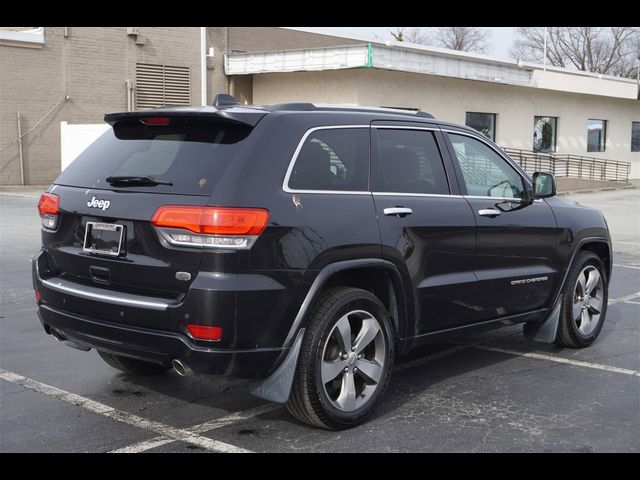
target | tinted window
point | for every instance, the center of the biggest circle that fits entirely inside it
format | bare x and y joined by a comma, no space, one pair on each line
596,135
333,159
485,173
635,136
485,123
410,162
193,157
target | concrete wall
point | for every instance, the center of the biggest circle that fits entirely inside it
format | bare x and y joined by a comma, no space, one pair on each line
450,98
91,66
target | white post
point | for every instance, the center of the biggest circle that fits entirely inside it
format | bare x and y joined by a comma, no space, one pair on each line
203,65
544,67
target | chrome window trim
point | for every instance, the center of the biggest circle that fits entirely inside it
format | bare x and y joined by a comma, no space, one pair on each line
98,294
406,127
398,194
292,162
503,155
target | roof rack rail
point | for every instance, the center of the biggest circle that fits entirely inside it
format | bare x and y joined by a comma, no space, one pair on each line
355,108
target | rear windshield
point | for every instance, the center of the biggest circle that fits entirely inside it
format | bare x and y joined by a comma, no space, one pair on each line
192,155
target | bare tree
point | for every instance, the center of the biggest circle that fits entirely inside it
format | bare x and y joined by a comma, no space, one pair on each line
398,34
606,50
466,39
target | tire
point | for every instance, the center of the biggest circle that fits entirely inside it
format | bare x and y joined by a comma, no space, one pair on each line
584,303
351,397
131,365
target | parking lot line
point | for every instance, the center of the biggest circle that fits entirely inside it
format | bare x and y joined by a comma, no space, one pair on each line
120,415
201,428
626,298
552,358
626,266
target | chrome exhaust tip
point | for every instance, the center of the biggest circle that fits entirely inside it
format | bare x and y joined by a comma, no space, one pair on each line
57,335
181,369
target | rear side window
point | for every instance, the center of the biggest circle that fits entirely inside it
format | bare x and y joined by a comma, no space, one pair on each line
191,154
333,159
410,162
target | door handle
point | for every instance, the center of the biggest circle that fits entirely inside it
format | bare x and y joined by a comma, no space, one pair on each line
398,211
488,212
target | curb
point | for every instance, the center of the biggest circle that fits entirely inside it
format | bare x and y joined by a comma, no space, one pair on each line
593,190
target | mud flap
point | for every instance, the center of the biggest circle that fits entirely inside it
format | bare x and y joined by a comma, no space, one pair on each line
546,331
277,387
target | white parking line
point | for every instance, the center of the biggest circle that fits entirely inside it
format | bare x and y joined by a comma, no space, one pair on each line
626,266
623,299
202,428
121,416
551,358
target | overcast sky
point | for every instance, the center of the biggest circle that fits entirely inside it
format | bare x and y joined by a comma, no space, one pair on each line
499,41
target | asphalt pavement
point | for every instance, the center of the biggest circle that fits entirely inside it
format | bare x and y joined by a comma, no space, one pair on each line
487,392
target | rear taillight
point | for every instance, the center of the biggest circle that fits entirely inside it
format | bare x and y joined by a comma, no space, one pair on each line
49,209
218,227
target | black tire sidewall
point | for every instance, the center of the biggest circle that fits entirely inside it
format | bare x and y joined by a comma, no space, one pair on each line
584,259
356,300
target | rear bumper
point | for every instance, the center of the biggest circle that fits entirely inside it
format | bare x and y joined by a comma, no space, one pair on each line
105,320
158,346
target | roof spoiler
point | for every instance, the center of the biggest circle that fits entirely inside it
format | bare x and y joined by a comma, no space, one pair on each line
248,117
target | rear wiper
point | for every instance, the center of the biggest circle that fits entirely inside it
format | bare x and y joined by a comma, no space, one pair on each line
136,180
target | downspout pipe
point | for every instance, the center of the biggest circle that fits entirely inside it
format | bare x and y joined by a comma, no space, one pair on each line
203,65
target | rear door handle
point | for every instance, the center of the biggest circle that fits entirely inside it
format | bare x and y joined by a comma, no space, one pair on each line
488,212
398,211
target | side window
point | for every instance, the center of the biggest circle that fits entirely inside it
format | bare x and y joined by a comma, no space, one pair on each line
333,159
410,162
486,174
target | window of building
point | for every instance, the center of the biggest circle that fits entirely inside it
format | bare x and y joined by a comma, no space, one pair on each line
544,134
333,159
162,85
635,136
485,173
485,123
410,162
596,135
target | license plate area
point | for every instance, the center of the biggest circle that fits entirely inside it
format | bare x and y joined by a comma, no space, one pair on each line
103,238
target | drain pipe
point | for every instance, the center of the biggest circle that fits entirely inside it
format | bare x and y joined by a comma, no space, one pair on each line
20,150
203,65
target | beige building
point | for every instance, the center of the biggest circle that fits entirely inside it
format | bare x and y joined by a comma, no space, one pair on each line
519,105
52,75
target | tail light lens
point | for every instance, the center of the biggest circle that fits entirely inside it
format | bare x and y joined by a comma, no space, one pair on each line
204,332
49,209
218,227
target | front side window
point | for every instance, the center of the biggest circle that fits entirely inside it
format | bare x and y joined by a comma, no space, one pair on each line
635,136
596,135
333,159
486,174
410,162
544,134
485,123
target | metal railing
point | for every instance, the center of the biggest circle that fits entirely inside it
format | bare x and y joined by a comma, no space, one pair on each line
567,165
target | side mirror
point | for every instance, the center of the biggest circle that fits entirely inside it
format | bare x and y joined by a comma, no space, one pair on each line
544,185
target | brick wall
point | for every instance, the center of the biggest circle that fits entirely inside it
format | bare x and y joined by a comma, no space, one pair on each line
91,65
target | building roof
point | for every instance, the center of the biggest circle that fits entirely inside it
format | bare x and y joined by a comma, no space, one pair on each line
421,59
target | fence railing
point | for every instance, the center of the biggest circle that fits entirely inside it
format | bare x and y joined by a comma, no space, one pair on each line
567,165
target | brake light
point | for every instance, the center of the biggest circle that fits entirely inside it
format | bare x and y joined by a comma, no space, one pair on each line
49,208
204,332
155,121
225,227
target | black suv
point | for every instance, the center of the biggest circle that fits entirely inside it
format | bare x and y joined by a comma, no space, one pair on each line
305,246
